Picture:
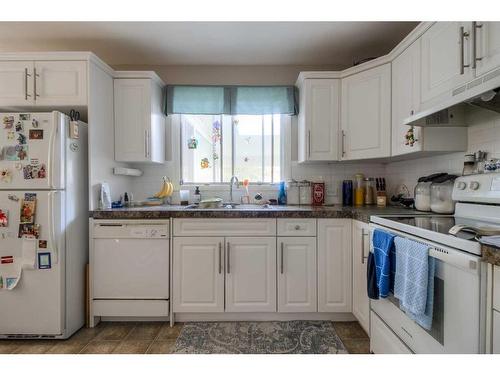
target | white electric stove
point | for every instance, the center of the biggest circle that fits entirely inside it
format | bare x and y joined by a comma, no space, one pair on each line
478,207
459,295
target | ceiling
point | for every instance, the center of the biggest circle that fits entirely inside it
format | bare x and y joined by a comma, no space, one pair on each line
336,44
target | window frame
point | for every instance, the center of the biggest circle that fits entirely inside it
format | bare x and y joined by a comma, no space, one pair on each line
285,154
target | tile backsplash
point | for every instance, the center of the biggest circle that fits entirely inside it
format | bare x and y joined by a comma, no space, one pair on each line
483,134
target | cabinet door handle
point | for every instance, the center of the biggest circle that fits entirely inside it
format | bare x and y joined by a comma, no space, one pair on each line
343,143
309,143
228,257
363,234
26,75
463,34
281,258
146,144
475,59
220,257
35,74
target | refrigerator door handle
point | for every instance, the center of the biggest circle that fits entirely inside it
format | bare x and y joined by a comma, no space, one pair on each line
53,237
52,160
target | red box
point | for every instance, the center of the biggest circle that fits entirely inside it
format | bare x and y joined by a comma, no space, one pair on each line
318,193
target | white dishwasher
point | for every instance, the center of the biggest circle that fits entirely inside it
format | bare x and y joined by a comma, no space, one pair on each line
130,268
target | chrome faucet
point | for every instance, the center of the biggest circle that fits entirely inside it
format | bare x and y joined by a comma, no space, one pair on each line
233,182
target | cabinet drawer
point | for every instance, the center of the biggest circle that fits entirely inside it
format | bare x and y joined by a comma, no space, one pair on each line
224,227
297,227
383,340
496,288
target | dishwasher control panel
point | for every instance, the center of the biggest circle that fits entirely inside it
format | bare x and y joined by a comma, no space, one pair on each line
153,230
148,232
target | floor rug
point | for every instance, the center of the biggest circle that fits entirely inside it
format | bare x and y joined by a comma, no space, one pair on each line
291,337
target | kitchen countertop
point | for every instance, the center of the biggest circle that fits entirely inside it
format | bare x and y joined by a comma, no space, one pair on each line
172,211
491,254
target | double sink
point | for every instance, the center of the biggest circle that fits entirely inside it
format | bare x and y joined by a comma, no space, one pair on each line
233,207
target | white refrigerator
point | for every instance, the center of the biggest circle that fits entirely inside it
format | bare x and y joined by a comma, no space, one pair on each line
43,225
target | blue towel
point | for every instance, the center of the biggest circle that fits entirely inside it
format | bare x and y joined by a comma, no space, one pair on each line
383,248
414,280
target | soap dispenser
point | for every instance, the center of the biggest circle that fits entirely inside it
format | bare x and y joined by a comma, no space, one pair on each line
197,195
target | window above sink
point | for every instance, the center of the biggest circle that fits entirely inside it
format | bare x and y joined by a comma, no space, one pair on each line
216,147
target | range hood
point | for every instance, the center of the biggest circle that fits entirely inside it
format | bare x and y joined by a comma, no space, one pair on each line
483,92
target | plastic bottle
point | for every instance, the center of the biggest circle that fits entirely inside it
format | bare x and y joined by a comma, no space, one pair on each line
282,194
359,190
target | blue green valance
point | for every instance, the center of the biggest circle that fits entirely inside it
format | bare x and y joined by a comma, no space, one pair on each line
231,100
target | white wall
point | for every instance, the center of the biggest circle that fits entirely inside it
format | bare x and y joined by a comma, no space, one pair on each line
101,138
483,134
227,75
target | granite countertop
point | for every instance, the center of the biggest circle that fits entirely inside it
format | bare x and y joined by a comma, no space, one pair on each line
172,211
491,254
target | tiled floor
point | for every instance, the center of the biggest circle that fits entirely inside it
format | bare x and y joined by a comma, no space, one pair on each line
140,338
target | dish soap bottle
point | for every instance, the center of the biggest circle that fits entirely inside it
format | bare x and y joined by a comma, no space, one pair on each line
197,195
282,194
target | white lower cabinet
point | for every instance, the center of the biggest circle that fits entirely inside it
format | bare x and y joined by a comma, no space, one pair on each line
198,274
297,274
232,267
496,332
251,274
360,250
334,265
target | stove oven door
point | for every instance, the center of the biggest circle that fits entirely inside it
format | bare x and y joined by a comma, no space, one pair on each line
458,305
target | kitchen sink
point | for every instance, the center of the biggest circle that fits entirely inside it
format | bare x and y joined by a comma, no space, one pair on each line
234,206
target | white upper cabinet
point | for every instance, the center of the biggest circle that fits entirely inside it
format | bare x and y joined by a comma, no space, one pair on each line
366,114
487,46
446,59
406,102
405,98
319,119
297,274
250,274
139,121
60,83
334,265
43,83
16,83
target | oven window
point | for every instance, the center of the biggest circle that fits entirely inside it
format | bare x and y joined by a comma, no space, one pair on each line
437,329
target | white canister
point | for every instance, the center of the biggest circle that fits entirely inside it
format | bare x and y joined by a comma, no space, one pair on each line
305,192
292,193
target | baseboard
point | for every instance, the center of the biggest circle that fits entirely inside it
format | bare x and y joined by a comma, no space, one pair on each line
207,317
134,319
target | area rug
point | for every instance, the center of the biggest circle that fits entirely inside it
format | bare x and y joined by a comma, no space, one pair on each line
292,337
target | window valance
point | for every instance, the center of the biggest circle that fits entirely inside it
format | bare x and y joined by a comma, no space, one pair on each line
231,100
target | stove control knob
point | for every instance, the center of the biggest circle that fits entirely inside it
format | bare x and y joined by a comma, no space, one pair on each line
474,185
461,185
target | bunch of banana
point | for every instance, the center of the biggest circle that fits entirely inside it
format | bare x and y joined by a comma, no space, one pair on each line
166,190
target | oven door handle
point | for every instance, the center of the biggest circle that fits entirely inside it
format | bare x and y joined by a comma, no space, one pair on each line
461,259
